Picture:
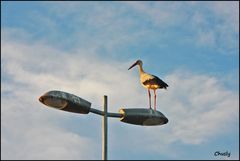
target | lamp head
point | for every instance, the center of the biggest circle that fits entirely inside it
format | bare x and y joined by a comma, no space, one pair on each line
65,101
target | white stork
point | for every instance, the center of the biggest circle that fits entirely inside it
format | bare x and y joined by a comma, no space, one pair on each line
149,81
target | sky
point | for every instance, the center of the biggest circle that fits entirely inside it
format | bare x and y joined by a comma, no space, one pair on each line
85,48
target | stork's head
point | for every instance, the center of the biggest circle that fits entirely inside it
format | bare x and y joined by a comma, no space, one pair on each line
138,62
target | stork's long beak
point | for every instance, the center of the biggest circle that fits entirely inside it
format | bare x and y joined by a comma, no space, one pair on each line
133,65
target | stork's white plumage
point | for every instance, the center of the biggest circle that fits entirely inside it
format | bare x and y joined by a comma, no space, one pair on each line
149,81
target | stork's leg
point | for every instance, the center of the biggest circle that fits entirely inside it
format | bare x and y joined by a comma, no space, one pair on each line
155,99
149,97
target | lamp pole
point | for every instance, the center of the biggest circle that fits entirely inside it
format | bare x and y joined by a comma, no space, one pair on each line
104,129
68,102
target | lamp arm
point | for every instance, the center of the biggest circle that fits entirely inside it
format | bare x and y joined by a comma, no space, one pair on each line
109,114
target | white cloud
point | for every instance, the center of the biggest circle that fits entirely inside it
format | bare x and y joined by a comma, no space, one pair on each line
30,132
216,25
199,109
46,142
197,106
30,71
229,12
210,24
205,24
204,107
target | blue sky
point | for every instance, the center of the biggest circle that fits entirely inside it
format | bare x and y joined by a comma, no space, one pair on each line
85,48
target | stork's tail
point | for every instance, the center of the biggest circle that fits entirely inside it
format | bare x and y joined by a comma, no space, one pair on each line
165,85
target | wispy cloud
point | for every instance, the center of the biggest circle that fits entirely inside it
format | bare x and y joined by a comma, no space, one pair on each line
85,48
197,106
202,107
210,24
204,24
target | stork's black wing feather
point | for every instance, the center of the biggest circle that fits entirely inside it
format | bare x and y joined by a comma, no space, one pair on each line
157,81
161,82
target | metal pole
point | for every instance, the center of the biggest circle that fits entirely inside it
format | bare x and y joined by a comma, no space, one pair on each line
104,129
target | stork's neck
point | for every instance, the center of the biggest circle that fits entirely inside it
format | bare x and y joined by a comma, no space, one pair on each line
140,69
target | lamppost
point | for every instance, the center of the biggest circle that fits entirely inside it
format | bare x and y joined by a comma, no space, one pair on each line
71,103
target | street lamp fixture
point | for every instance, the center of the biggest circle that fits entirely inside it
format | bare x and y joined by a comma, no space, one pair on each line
141,116
65,101
68,102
